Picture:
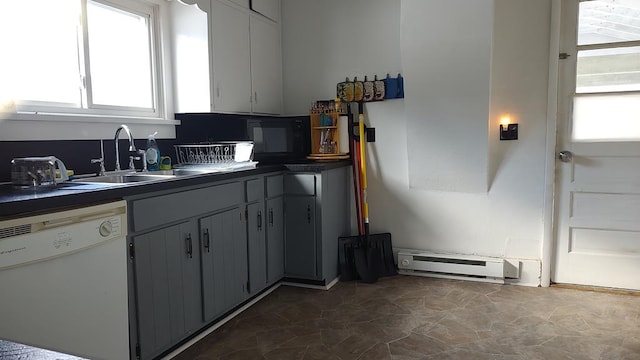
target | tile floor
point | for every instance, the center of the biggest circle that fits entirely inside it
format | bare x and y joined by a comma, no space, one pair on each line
13,351
409,317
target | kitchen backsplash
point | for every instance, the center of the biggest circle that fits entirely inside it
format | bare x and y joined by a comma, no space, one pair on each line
76,154
209,127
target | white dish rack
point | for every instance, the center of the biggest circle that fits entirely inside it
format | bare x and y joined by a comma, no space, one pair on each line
211,154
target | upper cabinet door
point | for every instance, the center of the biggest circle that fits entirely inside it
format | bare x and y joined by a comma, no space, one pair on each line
231,59
268,8
190,45
243,3
266,67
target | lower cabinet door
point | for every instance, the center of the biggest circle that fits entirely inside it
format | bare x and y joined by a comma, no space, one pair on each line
256,231
167,282
224,262
300,240
275,239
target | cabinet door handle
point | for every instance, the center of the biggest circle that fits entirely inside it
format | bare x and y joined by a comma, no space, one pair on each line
309,214
189,246
259,220
207,240
255,96
271,217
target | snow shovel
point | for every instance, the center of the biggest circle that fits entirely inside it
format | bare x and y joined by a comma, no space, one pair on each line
347,245
354,150
367,255
368,261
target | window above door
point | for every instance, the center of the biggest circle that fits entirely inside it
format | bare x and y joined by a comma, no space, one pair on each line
608,46
607,82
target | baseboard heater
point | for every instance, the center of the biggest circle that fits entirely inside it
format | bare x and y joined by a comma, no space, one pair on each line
467,267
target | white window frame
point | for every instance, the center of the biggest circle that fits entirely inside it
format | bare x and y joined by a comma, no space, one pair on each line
41,121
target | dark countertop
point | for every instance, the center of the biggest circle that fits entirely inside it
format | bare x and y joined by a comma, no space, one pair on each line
20,202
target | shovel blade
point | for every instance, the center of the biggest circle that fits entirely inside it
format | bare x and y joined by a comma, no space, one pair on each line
383,247
366,258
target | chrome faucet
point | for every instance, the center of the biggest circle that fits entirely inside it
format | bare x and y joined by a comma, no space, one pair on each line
100,160
132,147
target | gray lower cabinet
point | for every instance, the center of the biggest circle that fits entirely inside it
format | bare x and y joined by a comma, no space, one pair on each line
198,252
265,229
275,239
223,241
167,277
257,247
274,185
316,215
301,258
189,262
257,234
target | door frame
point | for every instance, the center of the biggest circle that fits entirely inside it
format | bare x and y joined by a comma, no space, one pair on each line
549,222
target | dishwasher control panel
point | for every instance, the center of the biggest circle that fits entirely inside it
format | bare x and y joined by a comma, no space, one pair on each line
59,235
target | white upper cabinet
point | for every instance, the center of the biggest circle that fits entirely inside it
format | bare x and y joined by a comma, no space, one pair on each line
268,8
228,59
243,3
231,59
266,67
190,42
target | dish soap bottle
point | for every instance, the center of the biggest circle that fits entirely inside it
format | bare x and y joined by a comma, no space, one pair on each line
153,153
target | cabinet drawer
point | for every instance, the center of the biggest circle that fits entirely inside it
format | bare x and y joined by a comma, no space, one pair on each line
275,186
163,209
255,190
300,184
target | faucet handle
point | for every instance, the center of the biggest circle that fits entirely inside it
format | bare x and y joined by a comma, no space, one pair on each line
101,162
132,166
143,153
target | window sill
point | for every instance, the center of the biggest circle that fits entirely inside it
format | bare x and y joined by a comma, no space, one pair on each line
23,126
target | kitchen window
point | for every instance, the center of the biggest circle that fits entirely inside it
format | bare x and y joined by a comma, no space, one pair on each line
90,59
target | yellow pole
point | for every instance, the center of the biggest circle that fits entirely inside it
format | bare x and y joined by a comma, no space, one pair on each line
363,168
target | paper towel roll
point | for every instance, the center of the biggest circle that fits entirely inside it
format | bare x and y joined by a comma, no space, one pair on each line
343,134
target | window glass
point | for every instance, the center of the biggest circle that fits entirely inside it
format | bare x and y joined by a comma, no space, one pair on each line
607,70
79,56
606,106
120,57
39,59
606,117
608,21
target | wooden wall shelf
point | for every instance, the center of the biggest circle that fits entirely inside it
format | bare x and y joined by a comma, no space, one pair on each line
325,137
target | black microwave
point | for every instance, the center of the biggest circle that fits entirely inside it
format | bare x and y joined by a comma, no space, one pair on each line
279,139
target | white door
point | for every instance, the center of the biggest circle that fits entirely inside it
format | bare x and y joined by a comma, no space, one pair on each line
598,172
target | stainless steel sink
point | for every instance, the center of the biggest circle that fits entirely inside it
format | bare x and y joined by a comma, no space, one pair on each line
126,178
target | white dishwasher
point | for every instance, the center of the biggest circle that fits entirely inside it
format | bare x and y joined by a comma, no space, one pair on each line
63,281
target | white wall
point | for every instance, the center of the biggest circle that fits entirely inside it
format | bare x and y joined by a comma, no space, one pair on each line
503,221
325,41
448,69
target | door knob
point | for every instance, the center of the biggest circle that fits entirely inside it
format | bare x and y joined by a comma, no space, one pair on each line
565,156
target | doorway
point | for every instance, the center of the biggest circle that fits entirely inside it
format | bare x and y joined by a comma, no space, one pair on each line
597,197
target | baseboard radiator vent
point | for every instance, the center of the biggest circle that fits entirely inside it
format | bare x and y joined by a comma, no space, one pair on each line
454,266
